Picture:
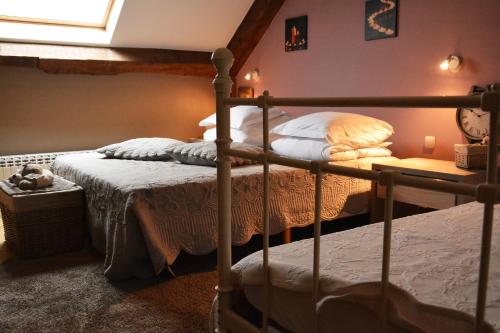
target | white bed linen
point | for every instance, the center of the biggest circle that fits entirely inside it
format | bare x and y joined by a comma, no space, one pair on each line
318,149
435,257
338,128
243,115
142,214
251,134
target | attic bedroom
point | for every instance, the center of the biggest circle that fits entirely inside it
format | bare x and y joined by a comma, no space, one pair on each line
249,166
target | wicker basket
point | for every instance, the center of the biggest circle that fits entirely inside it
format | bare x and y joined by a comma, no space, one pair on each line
471,156
43,224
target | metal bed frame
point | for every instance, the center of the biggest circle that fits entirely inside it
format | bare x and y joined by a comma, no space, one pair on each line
487,193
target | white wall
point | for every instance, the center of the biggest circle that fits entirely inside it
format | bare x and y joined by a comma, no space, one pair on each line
42,112
179,24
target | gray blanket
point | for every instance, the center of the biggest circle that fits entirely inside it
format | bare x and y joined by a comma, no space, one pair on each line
143,213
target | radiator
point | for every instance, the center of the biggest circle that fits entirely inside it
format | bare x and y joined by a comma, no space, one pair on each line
9,164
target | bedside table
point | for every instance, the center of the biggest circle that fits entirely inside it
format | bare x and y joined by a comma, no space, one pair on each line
410,201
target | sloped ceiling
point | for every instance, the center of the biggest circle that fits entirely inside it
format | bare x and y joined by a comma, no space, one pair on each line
197,25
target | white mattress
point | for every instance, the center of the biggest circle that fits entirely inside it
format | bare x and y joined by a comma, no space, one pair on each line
435,258
143,213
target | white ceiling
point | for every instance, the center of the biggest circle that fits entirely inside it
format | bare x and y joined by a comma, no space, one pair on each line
201,25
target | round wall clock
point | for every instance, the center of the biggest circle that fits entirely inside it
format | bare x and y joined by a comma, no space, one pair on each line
474,123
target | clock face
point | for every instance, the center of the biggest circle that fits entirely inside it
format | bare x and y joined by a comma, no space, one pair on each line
474,123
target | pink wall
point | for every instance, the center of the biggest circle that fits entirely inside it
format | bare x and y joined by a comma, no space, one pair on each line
338,62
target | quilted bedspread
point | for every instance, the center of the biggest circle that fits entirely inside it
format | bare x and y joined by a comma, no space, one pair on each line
143,213
433,276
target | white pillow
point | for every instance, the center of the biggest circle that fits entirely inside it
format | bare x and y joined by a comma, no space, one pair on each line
317,149
306,149
338,128
240,136
243,115
374,152
251,135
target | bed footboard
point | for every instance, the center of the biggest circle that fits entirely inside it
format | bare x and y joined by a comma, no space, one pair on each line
488,194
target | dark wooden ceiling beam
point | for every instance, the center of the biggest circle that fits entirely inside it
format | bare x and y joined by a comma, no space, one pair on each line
63,59
252,28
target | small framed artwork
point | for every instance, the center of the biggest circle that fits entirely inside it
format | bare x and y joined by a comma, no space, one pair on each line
296,34
245,92
381,19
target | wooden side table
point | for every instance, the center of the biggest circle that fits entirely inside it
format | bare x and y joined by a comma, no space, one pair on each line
410,201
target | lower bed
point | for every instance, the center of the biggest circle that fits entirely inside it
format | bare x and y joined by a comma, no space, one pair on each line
434,257
142,214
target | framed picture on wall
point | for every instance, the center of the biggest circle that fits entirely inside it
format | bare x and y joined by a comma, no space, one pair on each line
296,34
381,19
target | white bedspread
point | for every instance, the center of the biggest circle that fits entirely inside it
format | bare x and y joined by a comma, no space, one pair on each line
435,258
142,214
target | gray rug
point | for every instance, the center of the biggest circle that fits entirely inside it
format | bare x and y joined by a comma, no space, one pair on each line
68,293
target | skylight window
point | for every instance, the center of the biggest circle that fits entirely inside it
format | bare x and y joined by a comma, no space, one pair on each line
80,22
86,13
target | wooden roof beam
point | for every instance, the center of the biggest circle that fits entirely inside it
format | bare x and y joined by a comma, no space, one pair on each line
62,59
252,28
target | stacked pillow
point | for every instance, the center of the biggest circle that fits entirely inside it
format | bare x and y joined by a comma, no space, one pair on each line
333,136
245,124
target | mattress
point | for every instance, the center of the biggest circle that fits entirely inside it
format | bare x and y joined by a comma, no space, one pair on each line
142,213
433,275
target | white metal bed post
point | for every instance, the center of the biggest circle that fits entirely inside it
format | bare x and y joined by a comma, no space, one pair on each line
223,60
316,169
490,101
265,220
386,179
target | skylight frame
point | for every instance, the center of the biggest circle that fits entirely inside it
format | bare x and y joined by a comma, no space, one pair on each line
68,23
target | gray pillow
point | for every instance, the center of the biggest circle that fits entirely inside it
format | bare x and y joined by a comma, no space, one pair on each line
142,149
205,153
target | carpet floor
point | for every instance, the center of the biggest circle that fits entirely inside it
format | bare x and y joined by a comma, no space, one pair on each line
68,293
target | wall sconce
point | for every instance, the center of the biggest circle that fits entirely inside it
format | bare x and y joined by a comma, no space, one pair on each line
253,75
453,63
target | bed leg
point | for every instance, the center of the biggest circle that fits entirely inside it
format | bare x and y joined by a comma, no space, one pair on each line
287,235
